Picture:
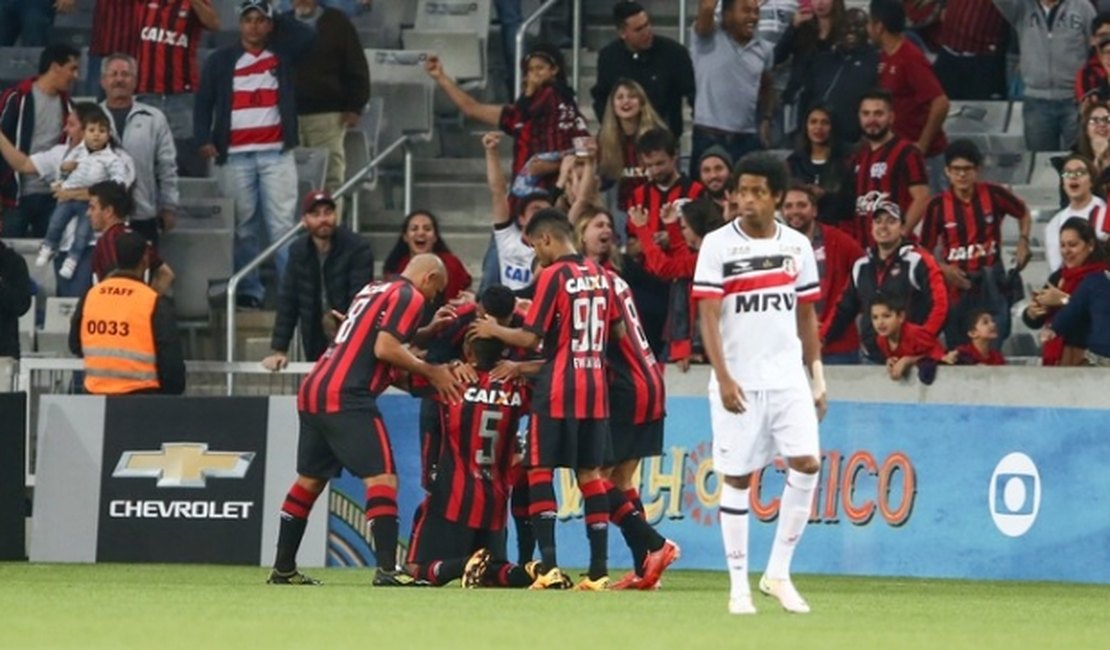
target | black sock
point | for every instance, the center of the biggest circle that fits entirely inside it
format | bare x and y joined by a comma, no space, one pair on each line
640,536
294,519
597,527
633,496
446,570
525,536
504,574
542,507
381,512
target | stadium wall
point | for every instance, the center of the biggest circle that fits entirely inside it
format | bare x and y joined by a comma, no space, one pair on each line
987,474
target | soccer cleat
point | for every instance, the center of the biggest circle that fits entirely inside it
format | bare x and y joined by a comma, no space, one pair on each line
396,578
292,578
601,584
786,594
627,582
741,605
657,561
553,579
534,569
475,569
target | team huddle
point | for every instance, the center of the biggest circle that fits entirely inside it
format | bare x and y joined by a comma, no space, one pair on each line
574,360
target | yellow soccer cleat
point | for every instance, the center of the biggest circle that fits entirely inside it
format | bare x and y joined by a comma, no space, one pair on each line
553,579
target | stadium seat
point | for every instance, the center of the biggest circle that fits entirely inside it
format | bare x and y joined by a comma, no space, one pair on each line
781,154
195,256
1016,124
207,213
54,337
1006,168
463,55
198,188
976,117
1006,143
1045,172
27,329
398,76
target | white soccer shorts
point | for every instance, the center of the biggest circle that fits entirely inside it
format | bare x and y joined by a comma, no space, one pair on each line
782,421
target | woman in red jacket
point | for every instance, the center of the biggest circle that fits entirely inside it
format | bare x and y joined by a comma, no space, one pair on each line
420,234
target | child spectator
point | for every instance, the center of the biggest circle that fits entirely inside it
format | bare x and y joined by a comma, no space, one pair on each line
982,332
902,344
96,159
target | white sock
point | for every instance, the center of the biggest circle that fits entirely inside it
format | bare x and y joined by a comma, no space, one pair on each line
797,499
734,530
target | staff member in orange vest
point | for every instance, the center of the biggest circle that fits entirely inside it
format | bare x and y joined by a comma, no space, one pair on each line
126,332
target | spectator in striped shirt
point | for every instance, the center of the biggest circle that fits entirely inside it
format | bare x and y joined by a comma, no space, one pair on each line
246,119
169,32
1090,82
971,61
115,33
963,227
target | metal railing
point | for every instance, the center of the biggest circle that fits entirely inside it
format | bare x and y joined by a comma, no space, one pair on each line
576,40
682,22
58,376
576,44
345,189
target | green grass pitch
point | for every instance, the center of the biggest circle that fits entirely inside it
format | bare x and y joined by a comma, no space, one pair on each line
120,607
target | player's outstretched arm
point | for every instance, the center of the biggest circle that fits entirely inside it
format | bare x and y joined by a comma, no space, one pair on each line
489,328
811,353
732,396
390,350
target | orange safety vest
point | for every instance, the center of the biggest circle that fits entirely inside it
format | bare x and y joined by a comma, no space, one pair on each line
117,337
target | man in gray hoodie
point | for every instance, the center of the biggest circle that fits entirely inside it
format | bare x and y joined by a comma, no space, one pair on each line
1054,37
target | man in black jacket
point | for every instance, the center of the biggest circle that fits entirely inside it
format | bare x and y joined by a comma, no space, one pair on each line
15,298
896,269
838,78
327,267
332,85
657,63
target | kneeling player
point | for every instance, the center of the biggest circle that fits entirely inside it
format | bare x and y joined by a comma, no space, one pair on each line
460,532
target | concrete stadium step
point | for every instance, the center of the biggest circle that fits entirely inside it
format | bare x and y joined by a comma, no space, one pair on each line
450,169
450,195
456,220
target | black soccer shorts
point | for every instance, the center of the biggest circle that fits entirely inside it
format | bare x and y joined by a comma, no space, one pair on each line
435,538
635,441
356,440
577,444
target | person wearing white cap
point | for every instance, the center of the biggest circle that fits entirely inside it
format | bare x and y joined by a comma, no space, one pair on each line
246,120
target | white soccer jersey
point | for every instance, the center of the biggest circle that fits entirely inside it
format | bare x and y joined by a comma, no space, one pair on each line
759,282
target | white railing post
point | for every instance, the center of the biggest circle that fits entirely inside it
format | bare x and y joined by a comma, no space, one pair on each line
518,75
682,22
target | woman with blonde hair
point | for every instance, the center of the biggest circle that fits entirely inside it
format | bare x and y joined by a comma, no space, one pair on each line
631,116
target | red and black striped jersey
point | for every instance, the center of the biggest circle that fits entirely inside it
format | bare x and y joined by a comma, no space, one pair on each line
651,197
632,174
348,375
115,27
472,480
572,310
971,233
168,35
547,121
448,343
104,254
886,173
636,391
973,27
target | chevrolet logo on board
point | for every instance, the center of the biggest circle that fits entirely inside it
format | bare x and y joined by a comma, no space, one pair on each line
183,464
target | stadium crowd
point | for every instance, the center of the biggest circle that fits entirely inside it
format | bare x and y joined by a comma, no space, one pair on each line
601,260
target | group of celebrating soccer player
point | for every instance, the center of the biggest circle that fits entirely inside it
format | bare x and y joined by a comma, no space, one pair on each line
576,361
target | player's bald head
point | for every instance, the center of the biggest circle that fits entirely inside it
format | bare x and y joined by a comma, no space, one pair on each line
427,272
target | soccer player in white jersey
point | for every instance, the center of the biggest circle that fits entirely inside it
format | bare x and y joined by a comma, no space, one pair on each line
757,286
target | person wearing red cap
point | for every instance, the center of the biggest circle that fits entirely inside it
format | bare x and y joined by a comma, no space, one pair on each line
327,267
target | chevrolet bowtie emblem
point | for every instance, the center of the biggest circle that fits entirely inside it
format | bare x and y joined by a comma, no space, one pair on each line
183,464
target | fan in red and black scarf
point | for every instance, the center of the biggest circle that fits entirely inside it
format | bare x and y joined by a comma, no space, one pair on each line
543,121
